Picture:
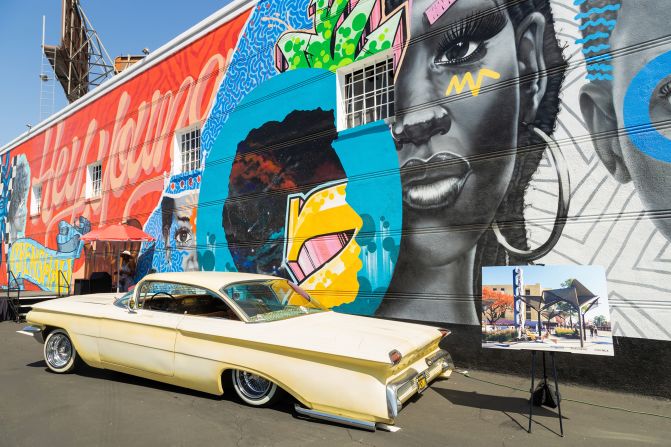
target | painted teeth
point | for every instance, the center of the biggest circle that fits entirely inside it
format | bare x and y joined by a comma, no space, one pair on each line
440,192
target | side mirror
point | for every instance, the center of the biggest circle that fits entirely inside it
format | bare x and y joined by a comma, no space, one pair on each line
131,306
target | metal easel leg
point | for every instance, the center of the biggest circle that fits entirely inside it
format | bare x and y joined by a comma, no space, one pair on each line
554,371
531,391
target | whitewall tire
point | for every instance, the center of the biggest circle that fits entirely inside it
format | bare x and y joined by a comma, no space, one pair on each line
59,352
254,390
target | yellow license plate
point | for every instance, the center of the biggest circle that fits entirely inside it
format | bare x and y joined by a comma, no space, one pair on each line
422,383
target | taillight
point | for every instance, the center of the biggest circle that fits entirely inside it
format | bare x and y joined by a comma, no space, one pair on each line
444,332
395,357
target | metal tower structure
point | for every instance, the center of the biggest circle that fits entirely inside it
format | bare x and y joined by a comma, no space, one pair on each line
47,83
80,61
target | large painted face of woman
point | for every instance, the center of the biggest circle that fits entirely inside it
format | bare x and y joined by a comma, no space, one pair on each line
459,103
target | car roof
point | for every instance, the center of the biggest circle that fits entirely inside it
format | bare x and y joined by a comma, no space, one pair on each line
210,280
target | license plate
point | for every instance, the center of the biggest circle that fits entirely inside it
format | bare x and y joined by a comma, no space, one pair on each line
422,383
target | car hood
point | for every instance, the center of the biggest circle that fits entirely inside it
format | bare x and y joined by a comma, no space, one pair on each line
69,302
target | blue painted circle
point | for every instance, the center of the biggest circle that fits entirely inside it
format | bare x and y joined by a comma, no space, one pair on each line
362,151
637,119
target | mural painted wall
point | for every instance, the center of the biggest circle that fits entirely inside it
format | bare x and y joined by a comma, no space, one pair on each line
130,131
524,132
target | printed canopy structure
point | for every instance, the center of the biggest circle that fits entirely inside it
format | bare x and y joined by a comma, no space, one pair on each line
577,296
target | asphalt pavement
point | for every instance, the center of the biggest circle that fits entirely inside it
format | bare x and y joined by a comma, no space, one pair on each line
103,408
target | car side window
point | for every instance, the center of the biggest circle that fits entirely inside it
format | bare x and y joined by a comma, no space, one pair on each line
183,299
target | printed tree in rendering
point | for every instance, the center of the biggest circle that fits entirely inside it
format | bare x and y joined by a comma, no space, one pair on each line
495,304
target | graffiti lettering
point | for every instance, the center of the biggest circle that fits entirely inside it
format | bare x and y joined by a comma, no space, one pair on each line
40,265
345,31
320,249
135,146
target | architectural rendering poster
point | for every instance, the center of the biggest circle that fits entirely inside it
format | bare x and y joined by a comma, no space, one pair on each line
561,308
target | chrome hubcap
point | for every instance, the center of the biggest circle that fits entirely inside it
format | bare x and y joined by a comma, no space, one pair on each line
252,386
59,351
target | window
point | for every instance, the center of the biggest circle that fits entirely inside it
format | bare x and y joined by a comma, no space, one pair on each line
528,313
187,154
527,292
94,180
367,92
183,299
36,202
270,300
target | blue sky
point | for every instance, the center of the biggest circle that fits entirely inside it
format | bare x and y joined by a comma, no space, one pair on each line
551,276
124,26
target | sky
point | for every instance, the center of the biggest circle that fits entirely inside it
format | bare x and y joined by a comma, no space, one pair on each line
124,27
551,276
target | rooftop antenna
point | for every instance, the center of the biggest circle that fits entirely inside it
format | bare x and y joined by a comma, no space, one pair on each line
47,82
80,61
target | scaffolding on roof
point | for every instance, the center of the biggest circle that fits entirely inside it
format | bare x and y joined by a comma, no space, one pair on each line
80,62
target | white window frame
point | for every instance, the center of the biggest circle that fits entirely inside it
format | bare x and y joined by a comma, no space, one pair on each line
341,94
177,162
36,200
94,188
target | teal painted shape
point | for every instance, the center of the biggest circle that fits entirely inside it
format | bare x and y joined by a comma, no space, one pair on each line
367,154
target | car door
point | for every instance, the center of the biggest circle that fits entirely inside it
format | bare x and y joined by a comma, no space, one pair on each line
203,339
143,338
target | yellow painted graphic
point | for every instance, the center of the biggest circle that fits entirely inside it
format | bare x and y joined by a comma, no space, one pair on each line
320,248
458,85
40,265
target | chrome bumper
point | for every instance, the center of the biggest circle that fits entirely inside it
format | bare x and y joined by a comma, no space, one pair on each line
406,386
33,331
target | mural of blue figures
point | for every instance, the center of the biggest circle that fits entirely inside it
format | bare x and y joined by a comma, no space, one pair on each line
253,61
284,193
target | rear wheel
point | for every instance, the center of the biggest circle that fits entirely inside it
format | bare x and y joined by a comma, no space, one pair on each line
59,352
253,389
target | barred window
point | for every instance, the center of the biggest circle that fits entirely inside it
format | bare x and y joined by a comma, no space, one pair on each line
189,150
369,93
94,180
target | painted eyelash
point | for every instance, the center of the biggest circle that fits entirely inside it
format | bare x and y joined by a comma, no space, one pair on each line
479,26
445,45
665,91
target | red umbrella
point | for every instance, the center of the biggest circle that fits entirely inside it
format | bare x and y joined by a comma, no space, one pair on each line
117,233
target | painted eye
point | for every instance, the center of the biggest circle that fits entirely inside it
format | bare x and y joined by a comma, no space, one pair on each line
456,52
182,237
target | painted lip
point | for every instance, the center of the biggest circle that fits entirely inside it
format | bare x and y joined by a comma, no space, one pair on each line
436,182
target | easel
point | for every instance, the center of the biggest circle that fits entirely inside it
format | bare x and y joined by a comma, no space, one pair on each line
545,378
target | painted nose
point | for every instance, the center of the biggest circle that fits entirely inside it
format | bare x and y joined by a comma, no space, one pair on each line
419,126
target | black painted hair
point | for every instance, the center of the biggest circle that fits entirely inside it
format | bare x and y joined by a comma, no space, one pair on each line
275,160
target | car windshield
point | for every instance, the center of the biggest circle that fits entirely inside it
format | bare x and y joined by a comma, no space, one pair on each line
272,300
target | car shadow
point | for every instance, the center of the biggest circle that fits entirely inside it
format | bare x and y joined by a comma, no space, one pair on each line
38,364
285,404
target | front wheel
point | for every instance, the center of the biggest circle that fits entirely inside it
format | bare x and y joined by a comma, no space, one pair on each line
254,390
59,352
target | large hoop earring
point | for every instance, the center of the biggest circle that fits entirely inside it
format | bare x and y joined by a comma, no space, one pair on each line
559,162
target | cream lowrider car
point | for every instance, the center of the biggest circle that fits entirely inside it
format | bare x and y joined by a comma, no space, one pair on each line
258,333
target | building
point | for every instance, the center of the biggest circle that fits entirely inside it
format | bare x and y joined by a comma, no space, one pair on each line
379,153
529,289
